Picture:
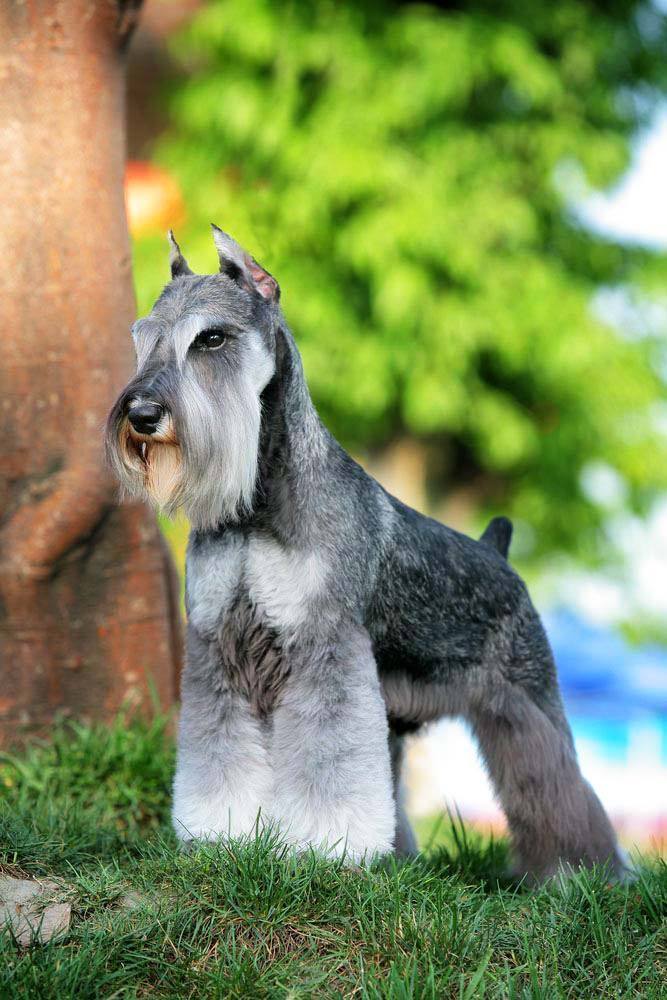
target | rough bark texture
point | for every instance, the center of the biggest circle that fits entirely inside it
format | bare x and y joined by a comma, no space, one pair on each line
87,605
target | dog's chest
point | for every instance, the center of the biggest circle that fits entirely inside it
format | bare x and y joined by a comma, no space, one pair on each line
281,584
251,597
252,656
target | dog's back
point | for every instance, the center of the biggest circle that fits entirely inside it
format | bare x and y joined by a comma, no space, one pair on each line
440,595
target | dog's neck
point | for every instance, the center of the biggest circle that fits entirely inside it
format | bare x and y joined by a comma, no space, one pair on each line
294,450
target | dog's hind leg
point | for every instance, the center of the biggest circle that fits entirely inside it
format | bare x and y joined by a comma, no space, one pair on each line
555,818
405,842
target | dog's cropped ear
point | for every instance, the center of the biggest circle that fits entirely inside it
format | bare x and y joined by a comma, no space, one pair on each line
177,261
239,265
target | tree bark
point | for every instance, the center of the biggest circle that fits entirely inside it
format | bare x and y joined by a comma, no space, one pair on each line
88,612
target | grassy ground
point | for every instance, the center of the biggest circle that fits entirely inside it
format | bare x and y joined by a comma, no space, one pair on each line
91,810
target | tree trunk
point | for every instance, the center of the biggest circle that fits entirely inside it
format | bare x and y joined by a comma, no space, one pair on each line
88,613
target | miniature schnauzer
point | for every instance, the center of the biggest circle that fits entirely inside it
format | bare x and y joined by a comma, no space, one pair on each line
325,618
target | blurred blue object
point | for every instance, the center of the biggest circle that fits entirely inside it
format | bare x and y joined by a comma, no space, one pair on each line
601,674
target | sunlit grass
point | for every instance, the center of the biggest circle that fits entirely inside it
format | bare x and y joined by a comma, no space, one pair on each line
250,919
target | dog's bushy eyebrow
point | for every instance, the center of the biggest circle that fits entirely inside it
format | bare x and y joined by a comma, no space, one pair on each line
188,327
145,335
145,326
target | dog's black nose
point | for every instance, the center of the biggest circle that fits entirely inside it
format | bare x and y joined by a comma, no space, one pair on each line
145,417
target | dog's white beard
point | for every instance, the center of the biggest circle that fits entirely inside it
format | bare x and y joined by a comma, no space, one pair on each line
163,474
149,469
211,472
220,458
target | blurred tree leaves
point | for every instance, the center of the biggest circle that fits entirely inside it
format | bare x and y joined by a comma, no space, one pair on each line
404,170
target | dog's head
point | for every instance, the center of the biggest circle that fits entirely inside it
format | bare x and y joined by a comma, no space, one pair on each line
185,431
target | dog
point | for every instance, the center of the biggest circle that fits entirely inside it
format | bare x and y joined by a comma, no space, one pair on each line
326,619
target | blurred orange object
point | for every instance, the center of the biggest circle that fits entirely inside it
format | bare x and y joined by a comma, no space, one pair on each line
152,198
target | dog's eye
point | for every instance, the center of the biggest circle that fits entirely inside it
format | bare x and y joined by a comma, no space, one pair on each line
209,340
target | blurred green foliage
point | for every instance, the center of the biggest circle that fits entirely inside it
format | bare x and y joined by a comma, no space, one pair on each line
406,171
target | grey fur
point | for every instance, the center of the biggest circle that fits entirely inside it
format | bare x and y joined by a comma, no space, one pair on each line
252,656
327,620
405,842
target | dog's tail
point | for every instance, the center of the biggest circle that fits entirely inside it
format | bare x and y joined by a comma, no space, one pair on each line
498,535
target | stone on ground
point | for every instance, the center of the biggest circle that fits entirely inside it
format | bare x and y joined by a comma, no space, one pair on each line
29,908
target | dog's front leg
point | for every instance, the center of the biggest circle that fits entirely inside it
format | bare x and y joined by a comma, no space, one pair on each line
223,783
333,786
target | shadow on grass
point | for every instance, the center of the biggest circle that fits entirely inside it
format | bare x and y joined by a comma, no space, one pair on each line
454,849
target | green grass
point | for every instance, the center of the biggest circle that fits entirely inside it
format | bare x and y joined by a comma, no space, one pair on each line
251,920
